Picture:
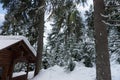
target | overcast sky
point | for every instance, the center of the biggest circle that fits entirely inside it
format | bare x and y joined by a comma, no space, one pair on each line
2,13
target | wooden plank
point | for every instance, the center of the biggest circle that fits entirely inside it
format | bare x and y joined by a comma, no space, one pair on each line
5,57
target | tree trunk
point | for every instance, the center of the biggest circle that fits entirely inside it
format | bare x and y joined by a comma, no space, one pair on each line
102,55
40,25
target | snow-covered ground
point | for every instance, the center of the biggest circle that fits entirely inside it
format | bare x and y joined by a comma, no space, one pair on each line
80,73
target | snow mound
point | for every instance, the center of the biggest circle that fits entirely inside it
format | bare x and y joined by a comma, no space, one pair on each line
59,73
80,73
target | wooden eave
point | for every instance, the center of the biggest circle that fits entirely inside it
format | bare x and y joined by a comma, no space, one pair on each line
31,55
16,48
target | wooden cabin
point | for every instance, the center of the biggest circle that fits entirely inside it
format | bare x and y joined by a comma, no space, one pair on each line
13,51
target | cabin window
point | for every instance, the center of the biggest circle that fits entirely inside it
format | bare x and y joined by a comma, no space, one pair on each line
1,71
20,68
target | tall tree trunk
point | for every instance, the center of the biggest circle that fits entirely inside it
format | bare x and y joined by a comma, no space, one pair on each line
102,55
40,25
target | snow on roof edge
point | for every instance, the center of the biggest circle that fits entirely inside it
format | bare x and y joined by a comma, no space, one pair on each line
18,38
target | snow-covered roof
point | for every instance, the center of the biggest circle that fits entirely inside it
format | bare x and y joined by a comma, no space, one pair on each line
6,41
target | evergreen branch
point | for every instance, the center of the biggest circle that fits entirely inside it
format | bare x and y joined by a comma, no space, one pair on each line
111,6
109,24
